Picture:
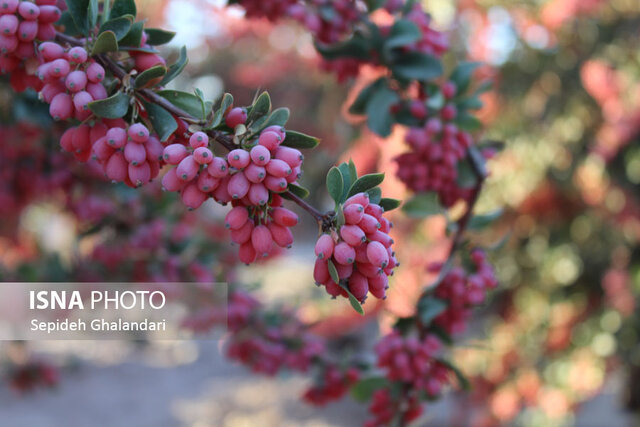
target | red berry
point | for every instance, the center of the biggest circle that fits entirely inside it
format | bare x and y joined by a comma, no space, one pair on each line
359,286
255,173
199,139
171,182
238,158
321,271
61,107
9,24
139,174
277,185
281,235
77,55
278,168
369,224
95,73
261,240
218,168
207,183
138,132
260,155
175,153
353,213
81,101
344,253
291,156
116,137
258,194
187,168
28,11
324,246
238,186
237,116
135,153
352,234
192,197
284,217
247,253
377,254
242,234
269,140
117,167
203,155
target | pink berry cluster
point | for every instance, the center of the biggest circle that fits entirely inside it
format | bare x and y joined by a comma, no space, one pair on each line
21,24
432,163
360,250
433,42
385,408
256,229
33,374
315,16
333,385
462,290
269,346
127,154
71,81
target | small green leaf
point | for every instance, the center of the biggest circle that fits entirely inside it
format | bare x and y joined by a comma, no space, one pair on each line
335,184
466,177
354,301
163,122
403,32
364,389
360,104
113,107
260,108
478,222
417,66
70,27
225,103
466,121
333,272
375,195
461,75
300,140
353,172
423,205
147,77
123,7
93,12
106,42
429,308
357,47
176,68
340,220
346,177
379,118
472,103
366,182
79,12
279,117
185,101
301,192
389,204
120,26
134,36
157,37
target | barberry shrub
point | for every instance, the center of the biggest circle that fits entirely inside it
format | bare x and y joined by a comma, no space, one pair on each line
99,71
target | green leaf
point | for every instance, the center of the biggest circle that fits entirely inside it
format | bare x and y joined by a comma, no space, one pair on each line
357,47
478,222
403,33
114,107
279,117
366,182
79,11
335,184
360,104
353,172
70,27
123,7
374,4
375,195
364,389
299,140
260,108
423,205
389,204
106,42
163,122
120,26
429,308
157,36
134,36
468,122
225,103
416,66
333,272
441,333
354,301
147,77
185,101
472,103
379,118
92,15
462,379
461,76
340,220
466,177
301,192
346,177
176,68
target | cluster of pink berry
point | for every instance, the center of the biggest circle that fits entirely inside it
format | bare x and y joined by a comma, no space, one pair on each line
410,360
257,228
27,169
269,348
71,81
21,24
334,384
327,20
463,290
127,154
432,163
433,42
360,250
385,407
